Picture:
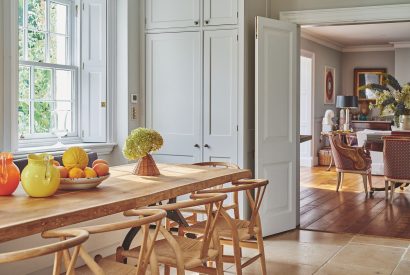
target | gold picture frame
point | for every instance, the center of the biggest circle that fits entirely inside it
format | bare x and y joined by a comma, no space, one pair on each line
364,76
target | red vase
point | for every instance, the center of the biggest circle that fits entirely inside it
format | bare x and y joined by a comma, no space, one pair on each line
9,174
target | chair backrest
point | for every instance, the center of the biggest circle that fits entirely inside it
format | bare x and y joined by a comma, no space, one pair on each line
346,157
396,154
212,202
75,238
255,191
147,216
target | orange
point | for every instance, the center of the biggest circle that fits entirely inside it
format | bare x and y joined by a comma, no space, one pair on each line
101,169
63,172
75,157
99,161
76,173
90,173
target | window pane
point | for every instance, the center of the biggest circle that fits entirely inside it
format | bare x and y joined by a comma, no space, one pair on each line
66,106
42,84
24,118
36,14
63,85
42,117
36,46
24,82
21,44
58,18
21,13
57,49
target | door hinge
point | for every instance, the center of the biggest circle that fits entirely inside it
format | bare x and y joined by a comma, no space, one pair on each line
237,128
83,6
237,14
76,10
237,37
83,65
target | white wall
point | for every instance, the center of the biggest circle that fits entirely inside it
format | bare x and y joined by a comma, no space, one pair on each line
403,65
324,56
293,5
350,61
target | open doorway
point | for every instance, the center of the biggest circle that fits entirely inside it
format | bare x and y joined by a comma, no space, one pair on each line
347,49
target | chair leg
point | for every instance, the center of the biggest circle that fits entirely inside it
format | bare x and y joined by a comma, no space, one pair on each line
331,163
369,176
342,178
237,255
365,184
339,179
392,189
386,189
261,249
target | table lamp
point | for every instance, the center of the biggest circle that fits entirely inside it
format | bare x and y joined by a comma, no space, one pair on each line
347,103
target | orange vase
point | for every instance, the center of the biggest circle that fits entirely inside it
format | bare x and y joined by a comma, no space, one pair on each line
9,174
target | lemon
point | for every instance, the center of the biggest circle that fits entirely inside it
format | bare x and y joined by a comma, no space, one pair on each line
75,157
90,173
76,173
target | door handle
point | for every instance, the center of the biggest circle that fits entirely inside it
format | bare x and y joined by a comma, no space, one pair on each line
207,146
196,22
206,22
197,146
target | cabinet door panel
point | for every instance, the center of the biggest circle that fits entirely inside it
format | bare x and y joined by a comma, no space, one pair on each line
220,95
171,13
174,93
220,12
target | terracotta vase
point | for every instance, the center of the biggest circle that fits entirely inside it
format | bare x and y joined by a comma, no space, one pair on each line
9,174
146,166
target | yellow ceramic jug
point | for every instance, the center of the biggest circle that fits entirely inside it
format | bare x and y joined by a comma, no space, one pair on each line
40,178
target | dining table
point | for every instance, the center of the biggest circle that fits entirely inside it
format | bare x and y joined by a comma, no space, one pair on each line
21,215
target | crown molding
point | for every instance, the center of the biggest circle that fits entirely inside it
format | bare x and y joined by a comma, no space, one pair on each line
368,48
322,41
355,15
401,45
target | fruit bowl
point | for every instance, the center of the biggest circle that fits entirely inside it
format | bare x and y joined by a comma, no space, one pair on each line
81,183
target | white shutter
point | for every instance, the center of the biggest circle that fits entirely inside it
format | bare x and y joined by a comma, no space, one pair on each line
93,92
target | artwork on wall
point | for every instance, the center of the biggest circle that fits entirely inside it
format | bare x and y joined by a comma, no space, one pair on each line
363,77
330,85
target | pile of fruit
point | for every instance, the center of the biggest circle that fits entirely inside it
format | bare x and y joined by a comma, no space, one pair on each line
75,161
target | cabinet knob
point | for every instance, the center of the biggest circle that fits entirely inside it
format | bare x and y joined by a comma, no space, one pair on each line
206,22
196,22
207,146
197,146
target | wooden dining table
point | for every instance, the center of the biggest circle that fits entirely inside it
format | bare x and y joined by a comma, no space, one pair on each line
22,216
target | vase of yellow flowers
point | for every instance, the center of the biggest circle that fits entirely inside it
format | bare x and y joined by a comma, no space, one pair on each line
392,99
139,146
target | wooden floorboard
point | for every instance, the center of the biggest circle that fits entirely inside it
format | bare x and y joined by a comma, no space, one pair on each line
349,210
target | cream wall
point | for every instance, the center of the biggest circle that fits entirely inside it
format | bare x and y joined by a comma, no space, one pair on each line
324,56
350,61
1,73
403,65
293,5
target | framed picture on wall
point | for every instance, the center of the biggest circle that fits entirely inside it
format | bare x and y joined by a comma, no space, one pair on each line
330,85
365,76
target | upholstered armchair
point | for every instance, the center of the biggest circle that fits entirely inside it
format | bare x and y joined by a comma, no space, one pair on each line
396,156
350,159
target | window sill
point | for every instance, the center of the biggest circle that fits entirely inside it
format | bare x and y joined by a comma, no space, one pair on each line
99,148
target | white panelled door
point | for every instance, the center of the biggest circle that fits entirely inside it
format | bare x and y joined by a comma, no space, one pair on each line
220,95
173,83
94,71
277,127
220,12
172,13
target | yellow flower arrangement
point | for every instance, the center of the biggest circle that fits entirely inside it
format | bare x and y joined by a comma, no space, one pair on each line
141,142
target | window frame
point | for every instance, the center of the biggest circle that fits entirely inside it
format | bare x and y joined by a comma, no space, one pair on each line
73,62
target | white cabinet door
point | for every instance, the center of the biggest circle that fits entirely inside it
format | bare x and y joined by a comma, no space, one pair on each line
277,122
220,95
173,89
172,13
220,12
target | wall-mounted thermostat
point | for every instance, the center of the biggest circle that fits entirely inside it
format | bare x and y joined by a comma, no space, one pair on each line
134,98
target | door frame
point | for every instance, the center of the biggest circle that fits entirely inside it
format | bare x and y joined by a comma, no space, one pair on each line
311,55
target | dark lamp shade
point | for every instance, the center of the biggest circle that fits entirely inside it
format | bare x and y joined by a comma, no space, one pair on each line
343,101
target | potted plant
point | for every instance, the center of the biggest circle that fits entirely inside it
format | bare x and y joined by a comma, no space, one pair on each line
139,145
392,99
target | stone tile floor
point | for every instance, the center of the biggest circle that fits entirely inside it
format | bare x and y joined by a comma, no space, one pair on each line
302,252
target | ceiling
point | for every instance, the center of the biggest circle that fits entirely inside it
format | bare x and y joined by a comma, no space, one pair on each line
361,35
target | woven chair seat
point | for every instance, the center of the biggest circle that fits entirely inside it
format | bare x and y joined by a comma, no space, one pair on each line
224,229
191,250
110,267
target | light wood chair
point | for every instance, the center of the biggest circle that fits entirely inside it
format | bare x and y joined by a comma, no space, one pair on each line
193,212
236,232
75,237
189,254
99,265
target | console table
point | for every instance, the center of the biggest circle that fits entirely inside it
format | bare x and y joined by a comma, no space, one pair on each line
360,125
